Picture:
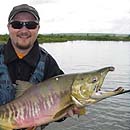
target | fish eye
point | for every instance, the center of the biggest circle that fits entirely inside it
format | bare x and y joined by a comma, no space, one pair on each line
94,79
82,78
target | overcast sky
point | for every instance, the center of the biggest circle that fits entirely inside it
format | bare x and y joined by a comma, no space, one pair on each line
75,16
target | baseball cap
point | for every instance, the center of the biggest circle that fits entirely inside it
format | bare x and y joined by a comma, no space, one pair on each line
23,8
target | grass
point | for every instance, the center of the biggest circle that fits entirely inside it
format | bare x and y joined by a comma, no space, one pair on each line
48,38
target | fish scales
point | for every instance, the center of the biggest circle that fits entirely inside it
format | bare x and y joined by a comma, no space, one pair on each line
25,110
49,101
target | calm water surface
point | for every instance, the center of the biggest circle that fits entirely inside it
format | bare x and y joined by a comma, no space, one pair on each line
81,56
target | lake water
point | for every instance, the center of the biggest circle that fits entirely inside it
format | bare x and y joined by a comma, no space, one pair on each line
81,56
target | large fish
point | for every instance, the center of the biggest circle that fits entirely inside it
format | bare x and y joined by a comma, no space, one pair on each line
50,100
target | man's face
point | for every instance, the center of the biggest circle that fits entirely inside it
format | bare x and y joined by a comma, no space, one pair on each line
23,38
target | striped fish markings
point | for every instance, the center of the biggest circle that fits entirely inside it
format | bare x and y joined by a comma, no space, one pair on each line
49,101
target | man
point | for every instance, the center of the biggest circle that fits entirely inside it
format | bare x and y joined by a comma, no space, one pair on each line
22,58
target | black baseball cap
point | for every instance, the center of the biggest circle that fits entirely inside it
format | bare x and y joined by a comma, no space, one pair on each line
23,8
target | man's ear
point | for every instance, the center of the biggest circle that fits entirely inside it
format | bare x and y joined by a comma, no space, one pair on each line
38,27
8,26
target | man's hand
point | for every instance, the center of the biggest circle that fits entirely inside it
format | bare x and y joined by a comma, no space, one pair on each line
76,110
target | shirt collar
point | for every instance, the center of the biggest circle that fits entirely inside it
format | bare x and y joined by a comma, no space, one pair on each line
31,58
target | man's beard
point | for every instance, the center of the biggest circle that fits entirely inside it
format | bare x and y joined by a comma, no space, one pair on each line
23,47
22,35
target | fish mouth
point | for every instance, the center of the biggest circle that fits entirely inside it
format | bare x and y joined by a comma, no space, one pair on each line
100,95
111,68
98,87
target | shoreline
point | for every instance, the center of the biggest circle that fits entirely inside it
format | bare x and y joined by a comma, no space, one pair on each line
64,37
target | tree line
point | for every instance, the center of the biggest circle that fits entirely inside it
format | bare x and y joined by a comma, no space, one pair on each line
48,38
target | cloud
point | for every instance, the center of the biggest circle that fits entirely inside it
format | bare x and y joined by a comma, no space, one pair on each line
75,15
38,2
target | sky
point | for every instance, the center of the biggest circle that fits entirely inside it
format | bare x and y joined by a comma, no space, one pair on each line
75,16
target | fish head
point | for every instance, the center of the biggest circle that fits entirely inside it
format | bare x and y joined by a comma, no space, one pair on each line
85,84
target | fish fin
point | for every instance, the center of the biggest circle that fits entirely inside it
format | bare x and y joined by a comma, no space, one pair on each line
21,87
62,112
75,117
31,128
82,111
5,128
